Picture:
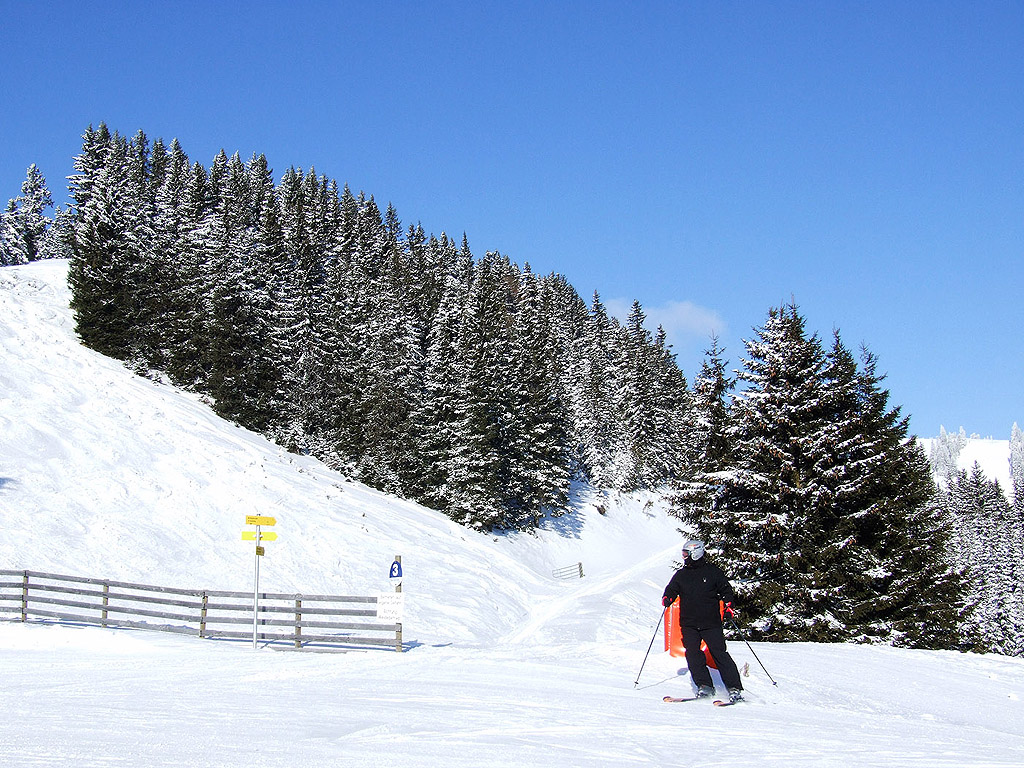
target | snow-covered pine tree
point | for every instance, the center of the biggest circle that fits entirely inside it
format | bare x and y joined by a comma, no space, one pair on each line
6,255
600,433
24,222
988,543
57,243
635,399
538,442
479,472
191,211
279,312
650,402
435,418
145,293
671,397
707,449
164,277
945,449
237,329
389,370
102,272
826,516
1016,521
771,498
890,579
1017,468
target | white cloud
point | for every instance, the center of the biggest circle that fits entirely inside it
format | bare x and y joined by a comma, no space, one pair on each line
687,324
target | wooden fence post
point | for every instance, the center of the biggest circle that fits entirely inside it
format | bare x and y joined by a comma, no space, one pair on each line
24,597
202,614
106,602
298,619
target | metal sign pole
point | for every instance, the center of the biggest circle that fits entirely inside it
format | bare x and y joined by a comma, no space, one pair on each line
258,537
256,589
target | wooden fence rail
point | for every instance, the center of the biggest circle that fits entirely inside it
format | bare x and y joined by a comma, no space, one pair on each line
302,621
569,572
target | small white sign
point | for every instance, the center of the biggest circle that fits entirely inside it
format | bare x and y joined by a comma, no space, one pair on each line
390,606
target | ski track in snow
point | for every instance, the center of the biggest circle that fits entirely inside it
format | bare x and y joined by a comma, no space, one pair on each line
103,473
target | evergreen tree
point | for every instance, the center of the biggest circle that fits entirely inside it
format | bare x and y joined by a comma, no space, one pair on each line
166,276
671,408
57,243
539,465
707,449
827,515
24,223
275,311
190,297
988,542
600,433
434,420
897,585
945,450
390,366
770,497
237,328
102,272
1017,468
479,475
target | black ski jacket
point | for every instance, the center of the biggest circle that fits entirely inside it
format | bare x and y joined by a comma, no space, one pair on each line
699,585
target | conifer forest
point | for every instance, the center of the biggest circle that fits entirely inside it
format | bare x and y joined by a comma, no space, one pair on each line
304,312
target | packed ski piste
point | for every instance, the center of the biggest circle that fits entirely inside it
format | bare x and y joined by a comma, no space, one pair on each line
106,474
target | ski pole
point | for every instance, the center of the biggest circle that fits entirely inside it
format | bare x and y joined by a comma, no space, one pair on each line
637,682
744,638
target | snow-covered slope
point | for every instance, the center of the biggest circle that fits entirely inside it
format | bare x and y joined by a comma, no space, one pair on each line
993,456
103,473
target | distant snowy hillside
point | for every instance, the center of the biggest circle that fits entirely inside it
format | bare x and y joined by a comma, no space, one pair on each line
993,456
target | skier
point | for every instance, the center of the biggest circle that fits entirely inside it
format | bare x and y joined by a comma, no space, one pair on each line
700,585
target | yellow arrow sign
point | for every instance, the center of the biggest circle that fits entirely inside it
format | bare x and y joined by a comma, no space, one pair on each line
264,536
260,520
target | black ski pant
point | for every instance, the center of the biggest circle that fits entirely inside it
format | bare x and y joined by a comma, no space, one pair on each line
698,665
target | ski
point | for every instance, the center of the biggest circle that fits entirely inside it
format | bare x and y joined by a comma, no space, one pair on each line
675,699
720,703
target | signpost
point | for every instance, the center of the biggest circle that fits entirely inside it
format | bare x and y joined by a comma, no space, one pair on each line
264,536
258,536
391,607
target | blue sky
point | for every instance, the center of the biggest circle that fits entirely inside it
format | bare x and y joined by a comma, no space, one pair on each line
712,160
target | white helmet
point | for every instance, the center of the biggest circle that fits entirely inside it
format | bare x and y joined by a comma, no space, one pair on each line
693,550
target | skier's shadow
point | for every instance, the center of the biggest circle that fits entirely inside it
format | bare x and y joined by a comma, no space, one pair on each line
684,672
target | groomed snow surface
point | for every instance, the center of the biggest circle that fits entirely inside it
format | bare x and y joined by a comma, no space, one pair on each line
106,474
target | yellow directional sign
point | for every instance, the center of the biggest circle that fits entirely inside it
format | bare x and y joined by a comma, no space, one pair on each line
260,520
264,536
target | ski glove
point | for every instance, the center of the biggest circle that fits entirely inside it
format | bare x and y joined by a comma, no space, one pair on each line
666,601
730,610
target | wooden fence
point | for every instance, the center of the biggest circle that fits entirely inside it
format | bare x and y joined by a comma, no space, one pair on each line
569,572
300,621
